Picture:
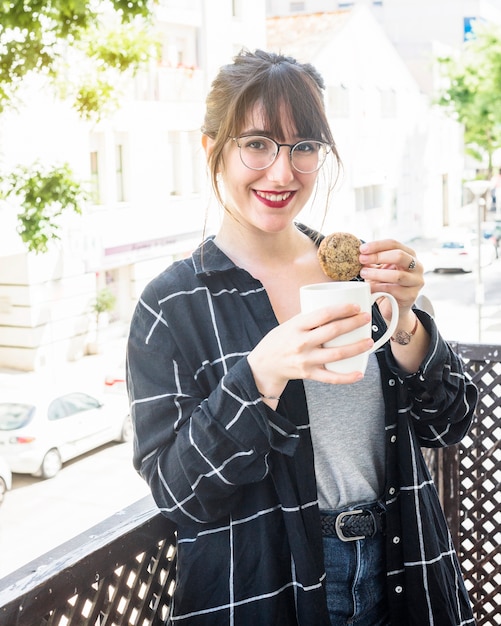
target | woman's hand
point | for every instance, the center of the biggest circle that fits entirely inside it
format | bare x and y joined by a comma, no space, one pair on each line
294,349
392,267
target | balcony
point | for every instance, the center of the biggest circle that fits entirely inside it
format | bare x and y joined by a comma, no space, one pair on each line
182,84
122,571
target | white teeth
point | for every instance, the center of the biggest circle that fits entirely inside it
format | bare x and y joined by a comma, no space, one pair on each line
274,197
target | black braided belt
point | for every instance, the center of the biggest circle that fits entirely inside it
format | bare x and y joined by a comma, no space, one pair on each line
353,525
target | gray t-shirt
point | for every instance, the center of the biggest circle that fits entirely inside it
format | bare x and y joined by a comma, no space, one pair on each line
347,430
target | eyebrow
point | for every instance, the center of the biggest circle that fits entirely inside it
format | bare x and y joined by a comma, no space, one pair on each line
265,133
255,131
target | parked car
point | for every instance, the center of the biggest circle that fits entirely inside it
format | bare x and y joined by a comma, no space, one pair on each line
461,253
37,437
5,478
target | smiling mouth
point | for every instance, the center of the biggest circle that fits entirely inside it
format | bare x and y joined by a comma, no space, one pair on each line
274,197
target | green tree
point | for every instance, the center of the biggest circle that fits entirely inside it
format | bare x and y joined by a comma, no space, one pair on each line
104,303
471,94
82,47
43,37
44,193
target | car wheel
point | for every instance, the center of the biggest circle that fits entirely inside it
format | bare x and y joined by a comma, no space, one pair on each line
51,464
3,490
127,430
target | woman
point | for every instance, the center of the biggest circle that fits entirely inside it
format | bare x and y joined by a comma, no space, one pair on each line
300,495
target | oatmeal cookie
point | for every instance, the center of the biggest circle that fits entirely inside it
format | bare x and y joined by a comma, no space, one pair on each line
338,255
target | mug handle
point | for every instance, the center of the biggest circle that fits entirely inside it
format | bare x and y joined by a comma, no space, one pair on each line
393,322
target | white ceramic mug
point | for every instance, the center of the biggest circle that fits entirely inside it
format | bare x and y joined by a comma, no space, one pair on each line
349,292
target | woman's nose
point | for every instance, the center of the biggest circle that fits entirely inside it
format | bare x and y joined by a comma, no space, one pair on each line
281,170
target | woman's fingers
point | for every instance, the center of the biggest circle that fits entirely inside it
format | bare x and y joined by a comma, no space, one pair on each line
392,267
296,349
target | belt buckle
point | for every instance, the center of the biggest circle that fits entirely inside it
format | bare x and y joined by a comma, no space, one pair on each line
339,528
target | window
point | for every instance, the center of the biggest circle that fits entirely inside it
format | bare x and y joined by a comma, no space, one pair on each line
57,410
97,167
368,197
14,415
179,47
79,402
119,173
70,404
94,177
108,164
236,9
184,147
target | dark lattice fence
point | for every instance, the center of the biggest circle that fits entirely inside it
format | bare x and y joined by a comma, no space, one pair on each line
468,477
479,495
121,572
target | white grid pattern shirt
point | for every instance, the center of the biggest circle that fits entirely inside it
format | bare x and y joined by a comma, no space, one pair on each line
237,478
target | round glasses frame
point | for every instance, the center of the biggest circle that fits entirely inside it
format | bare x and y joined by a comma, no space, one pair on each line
324,149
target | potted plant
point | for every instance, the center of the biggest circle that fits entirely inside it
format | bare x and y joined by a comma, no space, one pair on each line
103,303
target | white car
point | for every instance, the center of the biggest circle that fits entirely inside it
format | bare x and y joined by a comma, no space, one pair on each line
461,253
37,437
5,478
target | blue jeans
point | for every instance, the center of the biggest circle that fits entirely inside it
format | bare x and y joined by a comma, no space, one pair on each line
356,581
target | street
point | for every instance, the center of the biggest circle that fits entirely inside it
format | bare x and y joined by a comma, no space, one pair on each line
40,514
37,514
456,312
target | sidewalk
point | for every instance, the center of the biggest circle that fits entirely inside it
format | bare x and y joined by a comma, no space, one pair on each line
459,321
86,374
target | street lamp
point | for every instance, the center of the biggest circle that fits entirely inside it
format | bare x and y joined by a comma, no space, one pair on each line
478,188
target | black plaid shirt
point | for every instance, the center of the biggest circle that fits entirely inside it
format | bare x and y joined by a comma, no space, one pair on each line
237,478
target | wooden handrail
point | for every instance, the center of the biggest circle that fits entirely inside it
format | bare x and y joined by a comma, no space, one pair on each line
44,584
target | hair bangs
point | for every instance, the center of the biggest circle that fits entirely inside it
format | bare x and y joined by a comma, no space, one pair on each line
301,109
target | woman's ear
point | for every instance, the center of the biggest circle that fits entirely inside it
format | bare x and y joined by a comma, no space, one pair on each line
208,144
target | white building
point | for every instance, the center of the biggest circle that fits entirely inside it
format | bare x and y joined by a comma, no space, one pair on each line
419,29
148,181
401,176
402,159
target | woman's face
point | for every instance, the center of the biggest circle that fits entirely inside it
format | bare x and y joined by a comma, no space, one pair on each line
270,199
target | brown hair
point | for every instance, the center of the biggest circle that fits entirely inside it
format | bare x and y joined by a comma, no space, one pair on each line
271,80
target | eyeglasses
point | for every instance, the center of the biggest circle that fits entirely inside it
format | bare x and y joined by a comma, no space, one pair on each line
258,153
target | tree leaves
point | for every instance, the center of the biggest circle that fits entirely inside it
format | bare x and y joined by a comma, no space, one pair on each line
472,92
35,35
44,194
82,47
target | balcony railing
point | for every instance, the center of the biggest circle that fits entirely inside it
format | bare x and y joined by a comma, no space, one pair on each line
122,571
